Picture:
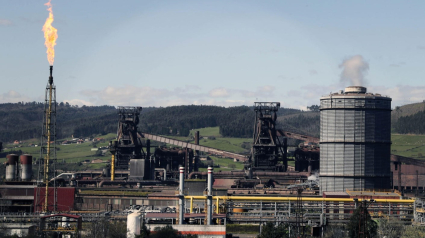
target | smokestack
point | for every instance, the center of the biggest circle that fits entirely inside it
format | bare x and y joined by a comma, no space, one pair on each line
209,197
181,196
51,77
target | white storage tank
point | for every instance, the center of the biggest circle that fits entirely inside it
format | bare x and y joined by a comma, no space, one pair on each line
26,167
133,224
11,167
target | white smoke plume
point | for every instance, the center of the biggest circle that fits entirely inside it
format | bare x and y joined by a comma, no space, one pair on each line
354,70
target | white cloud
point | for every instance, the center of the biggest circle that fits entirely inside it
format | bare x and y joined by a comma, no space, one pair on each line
219,92
13,97
128,95
263,92
5,22
79,102
401,94
148,96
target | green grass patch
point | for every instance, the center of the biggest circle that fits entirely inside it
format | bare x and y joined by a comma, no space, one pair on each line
226,164
408,145
222,143
228,144
207,131
72,153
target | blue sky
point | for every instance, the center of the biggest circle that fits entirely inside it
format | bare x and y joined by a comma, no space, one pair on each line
162,53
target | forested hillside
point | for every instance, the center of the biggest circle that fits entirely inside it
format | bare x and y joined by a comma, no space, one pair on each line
305,123
414,124
409,119
20,121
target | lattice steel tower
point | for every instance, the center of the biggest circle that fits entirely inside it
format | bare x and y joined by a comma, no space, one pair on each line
266,150
127,150
46,191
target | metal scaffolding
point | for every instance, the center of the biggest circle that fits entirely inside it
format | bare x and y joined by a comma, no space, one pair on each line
267,150
46,198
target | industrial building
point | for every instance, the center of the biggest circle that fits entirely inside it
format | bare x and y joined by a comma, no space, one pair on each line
166,187
355,140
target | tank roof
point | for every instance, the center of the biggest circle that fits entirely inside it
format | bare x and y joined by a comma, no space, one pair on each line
355,91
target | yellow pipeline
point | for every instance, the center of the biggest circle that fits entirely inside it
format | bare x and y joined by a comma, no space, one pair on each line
311,199
191,205
113,167
217,211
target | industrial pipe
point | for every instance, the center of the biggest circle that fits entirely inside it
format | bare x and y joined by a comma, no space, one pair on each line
209,196
113,167
311,199
62,174
242,174
127,182
283,199
181,196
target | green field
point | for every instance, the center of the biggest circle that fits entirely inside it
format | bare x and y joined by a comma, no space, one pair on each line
226,164
211,137
404,145
408,145
207,131
71,154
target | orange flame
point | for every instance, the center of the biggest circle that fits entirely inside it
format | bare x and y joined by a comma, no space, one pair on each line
50,34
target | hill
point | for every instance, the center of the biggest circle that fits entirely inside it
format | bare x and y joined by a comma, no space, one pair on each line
406,110
21,121
409,119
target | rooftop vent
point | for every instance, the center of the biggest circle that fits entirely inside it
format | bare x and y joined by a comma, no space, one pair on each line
355,89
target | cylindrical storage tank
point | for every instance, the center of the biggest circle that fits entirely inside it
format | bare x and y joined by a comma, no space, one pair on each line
355,140
107,172
133,225
11,167
26,167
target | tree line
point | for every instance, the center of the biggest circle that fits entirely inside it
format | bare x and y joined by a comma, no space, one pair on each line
21,121
413,124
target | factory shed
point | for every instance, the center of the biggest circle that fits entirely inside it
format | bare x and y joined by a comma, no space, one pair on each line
336,195
389,194
16,198
65,198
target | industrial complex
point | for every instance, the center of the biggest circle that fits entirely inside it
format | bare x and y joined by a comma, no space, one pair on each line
351,163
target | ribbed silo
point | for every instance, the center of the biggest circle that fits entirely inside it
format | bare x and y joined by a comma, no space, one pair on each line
11,167
355,140
26,167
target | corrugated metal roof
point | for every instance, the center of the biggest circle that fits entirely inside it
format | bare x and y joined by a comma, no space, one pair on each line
373,193
17,186
335,194
17,198
226,183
